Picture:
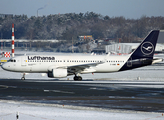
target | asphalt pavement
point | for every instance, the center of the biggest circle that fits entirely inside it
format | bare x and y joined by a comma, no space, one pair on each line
107,94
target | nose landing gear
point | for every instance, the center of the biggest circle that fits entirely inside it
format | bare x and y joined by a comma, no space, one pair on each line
23,78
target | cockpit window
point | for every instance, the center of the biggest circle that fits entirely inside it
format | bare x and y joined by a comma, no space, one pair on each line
12,60
9,60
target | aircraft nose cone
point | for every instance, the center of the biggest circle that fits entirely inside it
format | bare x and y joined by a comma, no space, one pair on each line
4,66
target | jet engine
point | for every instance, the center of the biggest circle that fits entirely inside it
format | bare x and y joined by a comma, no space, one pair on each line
57,73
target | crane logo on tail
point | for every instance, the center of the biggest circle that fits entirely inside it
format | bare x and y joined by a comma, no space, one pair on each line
147,48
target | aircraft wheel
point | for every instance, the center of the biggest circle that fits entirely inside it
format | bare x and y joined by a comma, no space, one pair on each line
77,78
23,78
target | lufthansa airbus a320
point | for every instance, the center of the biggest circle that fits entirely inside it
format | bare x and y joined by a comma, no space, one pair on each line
63,66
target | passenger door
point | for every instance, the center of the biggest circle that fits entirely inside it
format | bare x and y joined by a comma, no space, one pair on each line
23,61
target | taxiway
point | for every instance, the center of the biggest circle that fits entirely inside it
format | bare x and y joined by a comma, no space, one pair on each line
122,95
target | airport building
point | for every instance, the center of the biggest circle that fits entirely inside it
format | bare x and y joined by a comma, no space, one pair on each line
126,48
21,44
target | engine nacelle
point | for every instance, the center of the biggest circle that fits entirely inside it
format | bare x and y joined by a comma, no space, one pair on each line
57,73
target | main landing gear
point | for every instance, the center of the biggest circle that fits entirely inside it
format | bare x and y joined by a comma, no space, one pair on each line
77,78
23,78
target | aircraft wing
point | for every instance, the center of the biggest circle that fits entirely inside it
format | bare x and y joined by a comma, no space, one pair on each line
81,67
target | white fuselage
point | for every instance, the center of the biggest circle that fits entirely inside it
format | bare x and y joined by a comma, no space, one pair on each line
42,63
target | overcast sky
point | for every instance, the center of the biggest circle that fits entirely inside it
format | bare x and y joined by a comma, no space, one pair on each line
113,8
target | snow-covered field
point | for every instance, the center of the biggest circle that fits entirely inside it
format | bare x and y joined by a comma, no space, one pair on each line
27,111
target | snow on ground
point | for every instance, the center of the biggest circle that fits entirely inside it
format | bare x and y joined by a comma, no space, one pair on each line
27,111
